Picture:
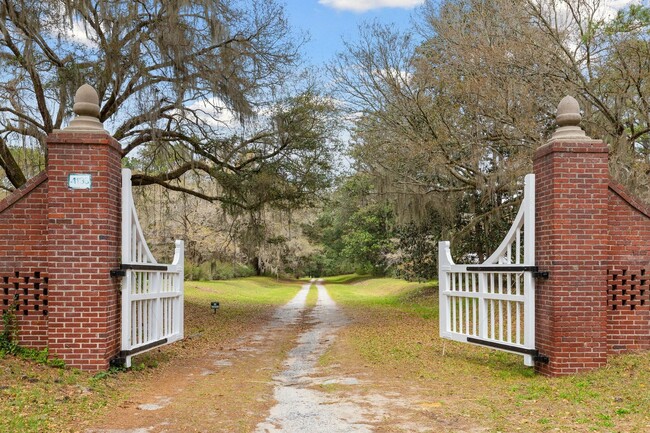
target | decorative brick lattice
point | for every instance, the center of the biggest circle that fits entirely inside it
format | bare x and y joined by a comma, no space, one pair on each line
25,292
628,289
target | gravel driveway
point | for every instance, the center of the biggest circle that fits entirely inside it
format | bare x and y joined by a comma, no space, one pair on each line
300,408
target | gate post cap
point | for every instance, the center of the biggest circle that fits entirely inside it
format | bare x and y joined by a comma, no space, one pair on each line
568,119
86,108
86,102
568,112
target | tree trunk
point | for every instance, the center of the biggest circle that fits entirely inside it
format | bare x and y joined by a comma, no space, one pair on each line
256,266
10,166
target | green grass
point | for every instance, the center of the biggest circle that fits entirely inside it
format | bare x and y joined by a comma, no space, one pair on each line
395,335
253,290
312,297
345,279
420,298
35,397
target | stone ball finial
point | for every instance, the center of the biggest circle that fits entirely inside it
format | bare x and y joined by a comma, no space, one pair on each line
568,121
86,108
568,112
86,101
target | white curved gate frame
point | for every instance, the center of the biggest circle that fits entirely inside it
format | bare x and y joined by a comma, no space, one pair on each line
152,293
493,304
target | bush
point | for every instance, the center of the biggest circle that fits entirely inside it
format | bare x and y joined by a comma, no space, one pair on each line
195,272
9,335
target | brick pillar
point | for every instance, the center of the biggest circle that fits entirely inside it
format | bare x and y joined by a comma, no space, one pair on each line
571,191
84,239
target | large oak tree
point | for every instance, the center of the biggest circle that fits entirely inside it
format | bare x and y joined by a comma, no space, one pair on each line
195,90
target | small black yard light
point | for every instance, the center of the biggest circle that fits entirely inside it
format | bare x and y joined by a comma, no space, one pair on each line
214,305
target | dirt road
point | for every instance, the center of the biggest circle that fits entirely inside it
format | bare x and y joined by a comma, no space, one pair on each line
268,380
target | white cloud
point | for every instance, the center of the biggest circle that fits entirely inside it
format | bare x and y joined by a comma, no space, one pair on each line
214,112
366,5
78,34
398,76
609,9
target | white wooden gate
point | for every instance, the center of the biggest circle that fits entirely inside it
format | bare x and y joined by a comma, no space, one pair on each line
152,293
493,304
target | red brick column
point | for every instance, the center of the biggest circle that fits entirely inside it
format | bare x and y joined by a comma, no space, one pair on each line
84,241
572,242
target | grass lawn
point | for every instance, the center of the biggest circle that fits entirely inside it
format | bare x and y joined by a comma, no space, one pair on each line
394,339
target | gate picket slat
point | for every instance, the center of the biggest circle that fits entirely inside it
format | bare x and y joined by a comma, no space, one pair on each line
134,326
467,305
474,317
518,341
492,319
509,321
453,313
518,244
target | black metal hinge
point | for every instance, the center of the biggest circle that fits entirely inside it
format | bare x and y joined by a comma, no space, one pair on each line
510,268
121,272
541,358
502,268
115,273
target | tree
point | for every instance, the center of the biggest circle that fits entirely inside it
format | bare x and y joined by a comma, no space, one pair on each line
194,89
603,58
430,154
354,230
447,124
531,53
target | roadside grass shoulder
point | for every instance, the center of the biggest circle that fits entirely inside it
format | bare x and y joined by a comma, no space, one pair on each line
35,397
393,339
252,290
420,298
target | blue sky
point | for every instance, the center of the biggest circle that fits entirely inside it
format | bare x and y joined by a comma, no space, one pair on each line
329,22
